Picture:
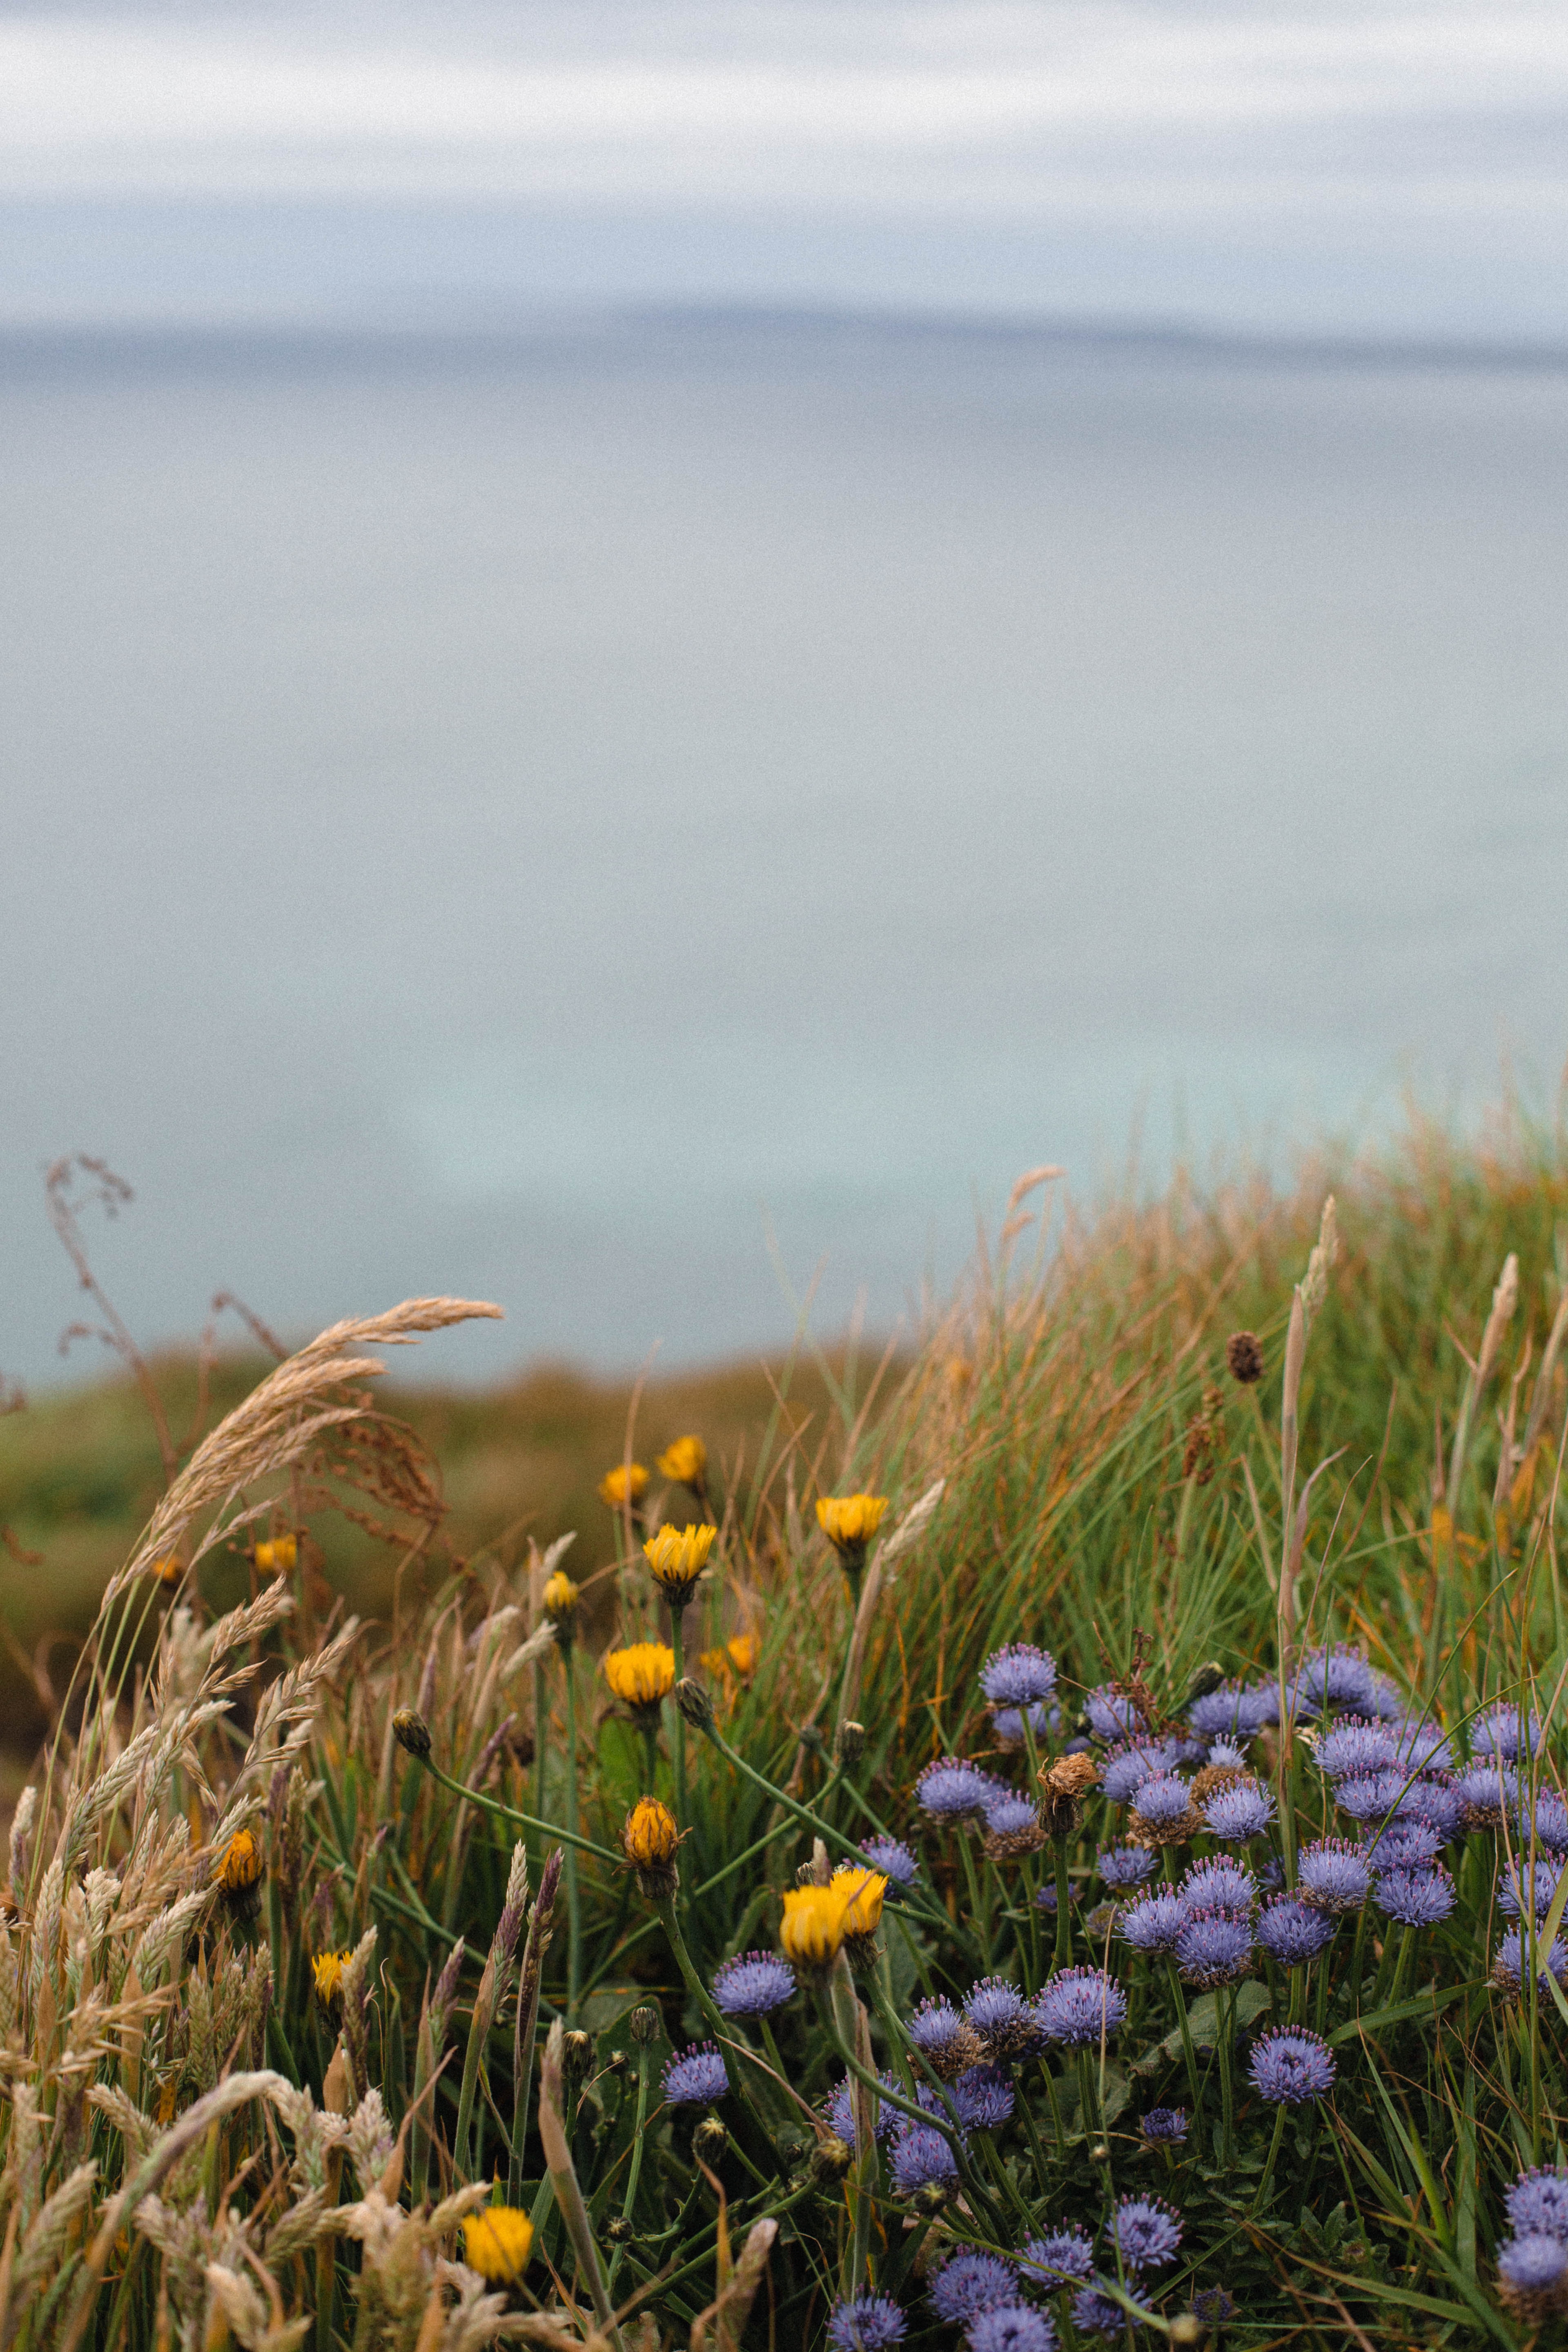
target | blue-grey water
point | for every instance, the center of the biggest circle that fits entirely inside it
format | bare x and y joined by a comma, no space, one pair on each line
526,816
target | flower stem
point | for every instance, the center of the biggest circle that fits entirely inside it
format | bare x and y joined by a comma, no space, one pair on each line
678,1747
1224,2019
1179,1996
573,1903
1261,2199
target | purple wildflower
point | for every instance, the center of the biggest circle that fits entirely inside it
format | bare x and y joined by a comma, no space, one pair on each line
1110,1716
1018,1675
1415,1898
1338,1677
1214,2307
1007,1723
868,2323
1077,2005
1125,1865
1437,1802
1220,1883
1145,2231
1243,1811
1484,1794
893,1859
1502,1732
1538,2204
1533,2264
1371,1796
1291,2065
1002,2019
968,2284
1058,2256
1542,1877
1334,1874
1422,1746
1009,1815
1153,1923
983,2098
1015,2327
1163,1802
696,2077
753,1987
839,2111
921,2157
1405,1845
1293,1932
1507,1962
951,1789
1550,1822
1130,1764
1353,1748
1213,1949
1237,1710
1165,2127
1097,2315
939,2034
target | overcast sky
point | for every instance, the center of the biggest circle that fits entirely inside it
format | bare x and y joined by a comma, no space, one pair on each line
1398,168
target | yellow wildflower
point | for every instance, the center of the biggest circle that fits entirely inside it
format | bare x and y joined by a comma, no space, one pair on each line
686,1460
849,1521
863,1891
169,1570
621,1485
327,1968
280,1556
560,1595
739,1656
241,1864
642,1674
168,2092
676,1559
812,1928
652,1834
497,2244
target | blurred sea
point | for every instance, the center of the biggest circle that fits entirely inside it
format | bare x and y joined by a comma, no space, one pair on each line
515,814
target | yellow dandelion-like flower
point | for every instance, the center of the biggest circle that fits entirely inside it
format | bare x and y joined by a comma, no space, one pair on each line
278,1556
642,1674
241,1864
812,1929
676,1559
849,1521
560,1595
745,1651
622,1485
497,2244
169,1570
327,1968
864,1891
686,1460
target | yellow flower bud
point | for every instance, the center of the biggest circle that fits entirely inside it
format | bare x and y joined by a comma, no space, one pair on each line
652,1834
676,1559
621,1485
241,1864
686,1461
497,2244
849,1521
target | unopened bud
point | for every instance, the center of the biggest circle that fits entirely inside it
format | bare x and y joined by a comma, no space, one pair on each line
1186,2329
829,2160
694,1703
710,2140
851,1742
619,2231
646,2024
929,2199
577,2055
616,2062
1099,2153
411,1731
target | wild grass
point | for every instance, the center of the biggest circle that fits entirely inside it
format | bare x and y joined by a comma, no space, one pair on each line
323,1934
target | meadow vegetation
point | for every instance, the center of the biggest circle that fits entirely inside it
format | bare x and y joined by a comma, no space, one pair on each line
1056,1839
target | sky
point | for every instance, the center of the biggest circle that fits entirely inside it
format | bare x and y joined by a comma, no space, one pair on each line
1386,169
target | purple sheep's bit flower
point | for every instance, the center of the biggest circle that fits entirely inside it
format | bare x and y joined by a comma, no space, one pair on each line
1551,1822
1235,1711
1532,2277
1537,2204
945,2041
1015,2327
968,2284
1059,2256
839,2111
1154,1923
951,1789
696,2077
1007,1723
984,2097
1542,1877
1437,1802
1371,1796
1415,1898
1213,1950
1293,1932
893,1859
922,2158
1002,2019
1077,2006
1018,1675
1422,1746
1243,1811
1291,2065
1503,1731
1334,1874
753,1987
1220,1883
1271,1875
1165,2127
1338,1677
1384,1701
868,2323
1012,1827
1214,2307
1112,1715
1353,1748
1484,1794
1507,1962
1163,1808
1130,1764
1404,1845
1096,2315
1227,1754
1125,1865
1145,2232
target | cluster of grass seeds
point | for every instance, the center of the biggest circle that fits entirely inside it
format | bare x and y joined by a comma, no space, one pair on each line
1069,1848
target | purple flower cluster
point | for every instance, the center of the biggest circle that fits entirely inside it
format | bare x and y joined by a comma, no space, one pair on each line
1416,1898
1145,2231
1504,1732
1541,1877
1019,1675
1236,1710
753,1987
695,2077
968,2284
839,2111
866,2323
1214,1948
1112,1715
1015,2327
954,1790
1125,1865
1507,1962
1334,1874
1060,2257
1291,2065
922,2158
1078,2006
1165,2127
1132,1762
1243,1811
1293,1931
1007,2025
893,1859
1162,1803
1533,2265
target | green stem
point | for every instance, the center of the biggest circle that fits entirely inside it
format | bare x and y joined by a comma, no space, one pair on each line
1261,2199
1225,2021
1063,1906
719,2027
510,1814
569,1867
678,1743
629,2202
1178,1993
